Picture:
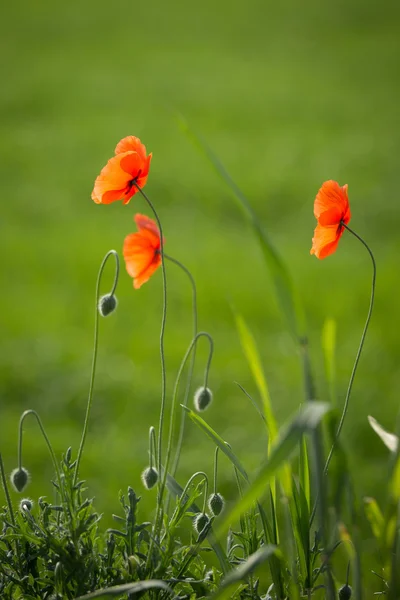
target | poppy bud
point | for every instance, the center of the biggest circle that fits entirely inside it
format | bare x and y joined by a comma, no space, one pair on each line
149,477
26,504
216,504
19,479
202,398
345,592
107,304
200,522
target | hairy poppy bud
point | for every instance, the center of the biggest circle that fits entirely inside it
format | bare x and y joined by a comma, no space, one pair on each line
200,522
107,304
216,504
345,592
19,479
26,504
149,477
202,398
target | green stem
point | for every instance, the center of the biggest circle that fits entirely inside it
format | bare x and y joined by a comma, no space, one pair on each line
215,469
191,366
162,332
175,394
95,348
6,491
364,333
42,429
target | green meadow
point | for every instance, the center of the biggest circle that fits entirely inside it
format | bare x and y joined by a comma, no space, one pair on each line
287,95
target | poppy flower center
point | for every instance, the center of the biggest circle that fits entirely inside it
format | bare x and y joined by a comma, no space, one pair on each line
133,182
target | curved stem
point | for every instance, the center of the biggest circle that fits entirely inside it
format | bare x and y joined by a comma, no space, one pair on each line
360,347
175,393
162,332
42,429
6,491
215,468
95,347
191,366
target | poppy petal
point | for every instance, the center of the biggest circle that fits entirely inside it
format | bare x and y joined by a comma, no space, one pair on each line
138,253
144,222
147,273
111,178
131,144
131,163
331,195
325,240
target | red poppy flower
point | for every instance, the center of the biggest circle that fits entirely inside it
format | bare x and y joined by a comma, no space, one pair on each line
142,251
331,209
128,167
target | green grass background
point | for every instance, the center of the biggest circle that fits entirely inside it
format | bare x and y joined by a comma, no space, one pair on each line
288,94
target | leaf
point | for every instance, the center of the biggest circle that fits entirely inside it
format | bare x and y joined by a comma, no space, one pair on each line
131,588
304,422
253,359
244,570
286,294
218,441
374,516
389,439
328,348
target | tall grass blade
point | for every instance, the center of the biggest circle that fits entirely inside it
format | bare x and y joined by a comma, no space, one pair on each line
286,293
253,359
128,588
218,441
328,348
304,422
244,570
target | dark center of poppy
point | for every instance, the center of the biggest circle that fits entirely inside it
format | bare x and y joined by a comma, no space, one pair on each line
133,182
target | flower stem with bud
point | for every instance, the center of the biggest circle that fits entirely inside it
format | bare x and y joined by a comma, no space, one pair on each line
95,348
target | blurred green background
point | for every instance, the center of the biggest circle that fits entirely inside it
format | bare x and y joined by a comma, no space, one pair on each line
288,95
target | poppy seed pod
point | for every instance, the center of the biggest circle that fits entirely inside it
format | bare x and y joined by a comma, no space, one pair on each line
202,398
216,504
26,504
200,522
19,479
345,592
107,304
149,477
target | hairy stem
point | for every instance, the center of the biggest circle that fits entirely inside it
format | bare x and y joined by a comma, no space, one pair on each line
95,348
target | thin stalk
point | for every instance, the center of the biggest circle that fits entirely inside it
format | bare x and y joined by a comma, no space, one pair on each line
162,333
6,491
360,347
215,469
42,429
175,393
95,348
191,366
353,372
161,481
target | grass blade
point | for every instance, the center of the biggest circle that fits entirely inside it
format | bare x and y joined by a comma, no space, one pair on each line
328,348
217,440
253,359
286,293
305,421
131,588
244,570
